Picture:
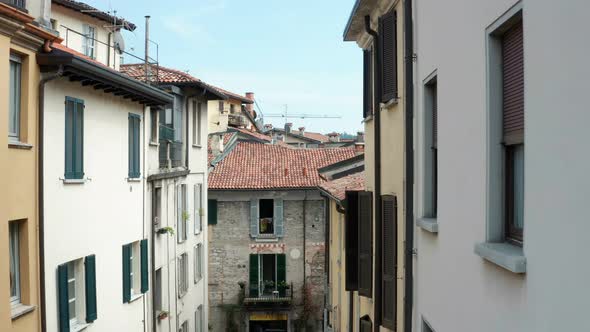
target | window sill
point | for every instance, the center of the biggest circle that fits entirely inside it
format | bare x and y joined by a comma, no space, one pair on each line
19,145
368,118
388,104
19,310
73,181
428,224
198,146
133,179
505,255
135,297
154,144
267,238
79,327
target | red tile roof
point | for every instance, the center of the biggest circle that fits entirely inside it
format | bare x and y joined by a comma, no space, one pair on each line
165,75
226,138
338,187
235,96
312,135
263,166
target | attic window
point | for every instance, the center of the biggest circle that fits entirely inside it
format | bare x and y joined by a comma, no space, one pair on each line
266,224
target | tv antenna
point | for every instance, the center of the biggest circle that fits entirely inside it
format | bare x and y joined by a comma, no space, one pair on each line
286,115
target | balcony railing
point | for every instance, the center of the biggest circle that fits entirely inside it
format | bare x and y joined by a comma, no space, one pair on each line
170,151
236,120
19,4
268,295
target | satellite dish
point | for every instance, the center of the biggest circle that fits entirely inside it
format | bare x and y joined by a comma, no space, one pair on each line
119,42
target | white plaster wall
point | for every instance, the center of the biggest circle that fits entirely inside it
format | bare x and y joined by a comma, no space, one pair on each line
99,216
75,21
457,290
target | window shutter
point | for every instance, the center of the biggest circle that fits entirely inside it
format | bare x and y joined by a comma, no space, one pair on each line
69,139
513,84
278,217
126,273
86,31
254,217
212,212
62,288
389,256
134,138
366,325
281,272
434,115
388,55
90,283
351,240
198,208
79,140
367,83
254,275
144,266
365,267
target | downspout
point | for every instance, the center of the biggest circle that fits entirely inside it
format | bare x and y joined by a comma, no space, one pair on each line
40,146
409,160
327,226
377,196
153,253
304,242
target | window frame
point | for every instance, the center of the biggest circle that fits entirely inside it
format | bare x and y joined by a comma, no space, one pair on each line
14,257
199,318
158,290
182,275
198,263
198,208
77,266
260,233
134,146
182,210
430,146
15,109
77,171
154,112
197,123
89,41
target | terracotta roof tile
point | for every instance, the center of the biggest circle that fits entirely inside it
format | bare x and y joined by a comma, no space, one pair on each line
165,75
338,187
263,166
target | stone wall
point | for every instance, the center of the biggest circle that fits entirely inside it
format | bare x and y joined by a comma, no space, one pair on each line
231,244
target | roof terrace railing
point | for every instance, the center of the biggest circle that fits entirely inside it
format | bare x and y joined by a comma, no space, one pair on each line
19,4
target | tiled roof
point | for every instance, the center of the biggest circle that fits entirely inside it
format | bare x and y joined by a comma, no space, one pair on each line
235,96
264,166
96,13
165,75
337,188
317,136
226,138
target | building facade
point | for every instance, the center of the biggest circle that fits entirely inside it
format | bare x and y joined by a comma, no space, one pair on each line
267,238
499,238
379,270
233,110
20,39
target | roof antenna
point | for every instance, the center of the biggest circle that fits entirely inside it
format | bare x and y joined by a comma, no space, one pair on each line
147,48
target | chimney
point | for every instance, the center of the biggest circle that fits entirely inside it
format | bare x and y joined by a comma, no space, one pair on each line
334,137
267,127
301,130
360,137
288,126
359,148
216,145
250,107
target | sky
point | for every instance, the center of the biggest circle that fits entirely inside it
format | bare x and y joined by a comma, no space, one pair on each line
286,52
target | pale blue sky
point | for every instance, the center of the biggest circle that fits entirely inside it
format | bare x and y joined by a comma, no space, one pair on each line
287,52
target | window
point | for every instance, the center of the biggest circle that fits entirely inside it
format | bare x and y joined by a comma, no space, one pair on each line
232,108
388,56
197,123
182,274
268,274
182,214
154,125
177,121
14,250
221,106
158,290
198,213
389,256
212,212
134,145
367,83
89,41
77,293
431,148
199,319
352,240
135,270
157,206
513,131
365,265
74,139
198,262
266,213
183,327
14,112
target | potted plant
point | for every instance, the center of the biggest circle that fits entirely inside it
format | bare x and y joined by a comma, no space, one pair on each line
282,286
185,215
165,230
162,315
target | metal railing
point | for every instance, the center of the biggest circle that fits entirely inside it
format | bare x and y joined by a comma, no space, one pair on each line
265,292
19,4
236,120
170,151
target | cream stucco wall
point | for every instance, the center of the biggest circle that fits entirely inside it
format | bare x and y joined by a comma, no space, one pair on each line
18,198
99,216
339,297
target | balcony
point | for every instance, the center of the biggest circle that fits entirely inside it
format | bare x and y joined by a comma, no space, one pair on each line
236,120
170,151
269,297
18,4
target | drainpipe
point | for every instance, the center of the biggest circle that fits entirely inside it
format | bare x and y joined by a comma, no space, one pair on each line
327,225
304,241
153,253
377,196
40,145
409,160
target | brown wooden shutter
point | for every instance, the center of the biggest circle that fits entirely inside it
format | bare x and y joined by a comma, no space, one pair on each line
352,240
513,84
367,83
389,256
365,266
388,55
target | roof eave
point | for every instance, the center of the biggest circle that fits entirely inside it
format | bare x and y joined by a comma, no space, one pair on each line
99,14
355,24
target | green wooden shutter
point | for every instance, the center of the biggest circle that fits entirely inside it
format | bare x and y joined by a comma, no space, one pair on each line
144,266
134,139
69,138
90,283
254,275
278,217
389,259
388,55
254,216
281,272
365,267
62,290
79,140
212,212
126,273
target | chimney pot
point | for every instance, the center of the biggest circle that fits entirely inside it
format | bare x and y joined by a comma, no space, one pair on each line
250,107
301,130
288,126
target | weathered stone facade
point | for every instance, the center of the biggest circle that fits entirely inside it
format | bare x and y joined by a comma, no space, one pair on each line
231,245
